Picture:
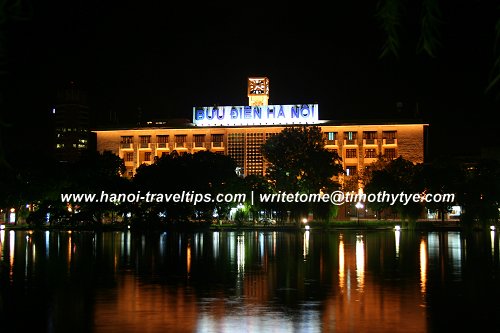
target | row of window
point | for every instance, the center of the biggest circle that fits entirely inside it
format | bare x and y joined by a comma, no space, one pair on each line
370,153
74,145
367,135
179,138
148,156
330,136
256,158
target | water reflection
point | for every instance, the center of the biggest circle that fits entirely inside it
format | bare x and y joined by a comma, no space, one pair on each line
305,251
239,281
341,264
423,266
397,237
360,262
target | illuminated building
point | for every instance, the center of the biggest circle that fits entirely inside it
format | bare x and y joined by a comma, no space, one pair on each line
70,116
239,131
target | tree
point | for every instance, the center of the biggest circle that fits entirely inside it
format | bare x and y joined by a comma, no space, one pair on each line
299,162
399,175
200,173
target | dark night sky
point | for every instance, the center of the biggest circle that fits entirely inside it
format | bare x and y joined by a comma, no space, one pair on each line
165,60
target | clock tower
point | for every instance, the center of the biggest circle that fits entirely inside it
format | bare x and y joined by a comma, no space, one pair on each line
258,91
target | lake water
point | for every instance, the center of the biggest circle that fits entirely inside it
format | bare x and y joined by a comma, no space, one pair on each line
252,281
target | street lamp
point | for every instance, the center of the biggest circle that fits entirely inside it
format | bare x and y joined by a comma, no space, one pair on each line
358,206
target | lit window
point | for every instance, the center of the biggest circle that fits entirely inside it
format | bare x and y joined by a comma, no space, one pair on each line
351,153
370,153
351,170
390,153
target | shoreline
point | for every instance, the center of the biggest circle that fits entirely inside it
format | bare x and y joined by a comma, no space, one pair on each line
202,227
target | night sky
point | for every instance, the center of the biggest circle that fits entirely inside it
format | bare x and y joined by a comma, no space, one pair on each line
162,60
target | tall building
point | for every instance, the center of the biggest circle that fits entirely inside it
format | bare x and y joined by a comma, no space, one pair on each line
239,131
72,135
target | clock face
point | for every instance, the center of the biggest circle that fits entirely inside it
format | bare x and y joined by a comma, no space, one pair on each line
257,87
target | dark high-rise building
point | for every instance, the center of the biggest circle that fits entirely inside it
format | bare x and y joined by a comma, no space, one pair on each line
71,124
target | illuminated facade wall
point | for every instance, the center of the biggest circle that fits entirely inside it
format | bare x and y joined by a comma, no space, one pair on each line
358,145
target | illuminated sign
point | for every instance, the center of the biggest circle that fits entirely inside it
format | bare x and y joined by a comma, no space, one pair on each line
256,115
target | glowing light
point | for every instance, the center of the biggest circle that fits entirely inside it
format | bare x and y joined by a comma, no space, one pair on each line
304,220
341,264
397,235
492,227
2,226
256,115
308,227
397,228
240,253
360,262
188,258
492,236
12,215
423,266
306,245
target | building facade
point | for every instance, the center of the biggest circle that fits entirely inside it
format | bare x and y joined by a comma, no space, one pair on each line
239,132
70,117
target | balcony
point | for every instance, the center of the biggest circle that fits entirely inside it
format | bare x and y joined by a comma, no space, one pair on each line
331,143
353,142
162,145
390,142
126,145
217,145
199,145
370,142
146,145
180,145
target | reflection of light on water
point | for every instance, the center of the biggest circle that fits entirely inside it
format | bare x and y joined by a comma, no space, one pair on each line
12,239
240,253
127,244
69,249
341,264
274,243
455,253
26,252
306,244
492,236
360,262
423,266
188,258
47,243
198,244
162,244
232,246
215,247
397,235
2,239
433,248
261,245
